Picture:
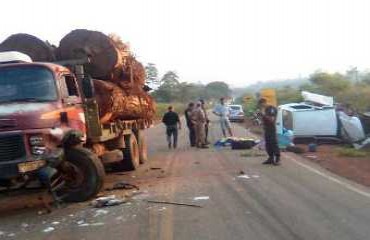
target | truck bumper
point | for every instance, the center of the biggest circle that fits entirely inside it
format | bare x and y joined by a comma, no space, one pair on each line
29,166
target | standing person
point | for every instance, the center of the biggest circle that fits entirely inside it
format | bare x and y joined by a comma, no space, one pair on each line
207,120
199,119
223,112
190,124
269,114
172,121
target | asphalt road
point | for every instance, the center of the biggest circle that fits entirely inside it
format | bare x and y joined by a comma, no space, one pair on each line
296,200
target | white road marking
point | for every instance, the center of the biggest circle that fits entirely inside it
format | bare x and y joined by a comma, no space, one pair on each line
333,179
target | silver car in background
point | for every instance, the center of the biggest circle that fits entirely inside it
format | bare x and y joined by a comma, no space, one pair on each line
236,113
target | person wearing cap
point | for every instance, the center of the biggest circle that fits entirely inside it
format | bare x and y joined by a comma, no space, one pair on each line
173,124
223,112
199,120
269,114
206,127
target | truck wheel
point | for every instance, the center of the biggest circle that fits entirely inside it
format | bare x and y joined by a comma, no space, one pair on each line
143,147
131,159
83,174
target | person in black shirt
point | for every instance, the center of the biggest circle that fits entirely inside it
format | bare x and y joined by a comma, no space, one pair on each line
172,121
269,114
190,124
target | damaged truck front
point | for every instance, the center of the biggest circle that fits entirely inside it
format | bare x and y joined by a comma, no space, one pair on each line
41,118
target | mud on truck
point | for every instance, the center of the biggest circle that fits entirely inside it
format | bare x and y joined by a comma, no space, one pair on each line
59,127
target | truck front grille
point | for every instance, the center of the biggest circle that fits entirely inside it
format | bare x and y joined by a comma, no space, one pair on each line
11,147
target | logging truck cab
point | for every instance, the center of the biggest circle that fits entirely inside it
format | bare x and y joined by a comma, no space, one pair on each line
50,131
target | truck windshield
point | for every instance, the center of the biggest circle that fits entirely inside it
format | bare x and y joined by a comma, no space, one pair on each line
27,84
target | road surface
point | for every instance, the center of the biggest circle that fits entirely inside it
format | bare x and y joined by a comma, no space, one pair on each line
296,200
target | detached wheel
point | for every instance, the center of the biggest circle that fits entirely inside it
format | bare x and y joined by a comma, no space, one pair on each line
143,147
83,174
131,160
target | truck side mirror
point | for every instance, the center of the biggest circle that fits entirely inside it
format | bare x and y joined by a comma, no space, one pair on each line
88,87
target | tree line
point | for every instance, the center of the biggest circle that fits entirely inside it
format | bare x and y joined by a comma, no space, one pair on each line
171,89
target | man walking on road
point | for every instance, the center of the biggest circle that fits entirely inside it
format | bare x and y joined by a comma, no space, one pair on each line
269,124
207,120
190,124
172,121
199,119
223,112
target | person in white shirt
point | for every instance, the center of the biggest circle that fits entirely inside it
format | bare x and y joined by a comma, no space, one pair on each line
223,112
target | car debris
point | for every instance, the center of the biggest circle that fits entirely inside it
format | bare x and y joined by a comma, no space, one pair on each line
201,198
107,201
174,203
155,168
123,185
48,229
244,176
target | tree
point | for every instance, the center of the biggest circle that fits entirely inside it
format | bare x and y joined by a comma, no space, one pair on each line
330,83
151,74
170,78
216,90
169,88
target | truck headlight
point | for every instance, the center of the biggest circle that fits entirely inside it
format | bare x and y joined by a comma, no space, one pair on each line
37,145
38,150
36,140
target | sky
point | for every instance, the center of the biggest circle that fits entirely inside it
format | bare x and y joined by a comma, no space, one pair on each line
236,41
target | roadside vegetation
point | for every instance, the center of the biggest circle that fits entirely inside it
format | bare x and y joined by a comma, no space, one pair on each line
352,153
351,89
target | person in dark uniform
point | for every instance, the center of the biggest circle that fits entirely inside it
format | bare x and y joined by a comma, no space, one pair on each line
172,121
190,124
269,114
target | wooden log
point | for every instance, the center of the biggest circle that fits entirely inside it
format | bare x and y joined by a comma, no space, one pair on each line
104,55
38,50
115,103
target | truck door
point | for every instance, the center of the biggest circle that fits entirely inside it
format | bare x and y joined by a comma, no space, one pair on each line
72,103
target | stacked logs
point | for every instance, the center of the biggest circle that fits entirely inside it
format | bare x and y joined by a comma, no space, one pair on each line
119,79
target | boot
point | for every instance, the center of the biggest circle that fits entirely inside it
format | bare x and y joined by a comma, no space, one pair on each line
270,160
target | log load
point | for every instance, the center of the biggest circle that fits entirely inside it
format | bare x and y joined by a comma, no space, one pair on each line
115,103
38,50
104,55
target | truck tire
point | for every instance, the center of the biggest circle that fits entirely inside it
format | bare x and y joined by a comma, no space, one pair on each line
131,159
143,147
83,173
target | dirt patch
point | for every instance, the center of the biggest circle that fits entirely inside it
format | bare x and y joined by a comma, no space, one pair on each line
353,168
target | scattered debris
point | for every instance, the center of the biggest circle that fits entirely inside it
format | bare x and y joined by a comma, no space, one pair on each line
244,176
295,149
241,172
311,156
162,209
106,201
155,168
48,229
1,233
100,212
197,162
174,203
55,223
123,185
255,176
97,224
11,235
201,198
25,225
80,222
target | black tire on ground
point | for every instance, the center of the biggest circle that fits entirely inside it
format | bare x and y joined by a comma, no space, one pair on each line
143,147
131,159
84,175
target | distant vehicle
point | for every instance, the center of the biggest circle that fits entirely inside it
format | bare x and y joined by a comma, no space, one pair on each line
236,113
